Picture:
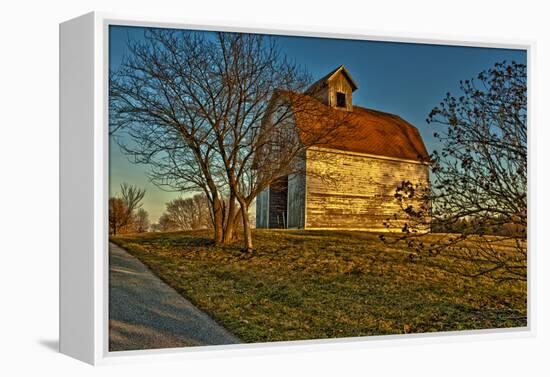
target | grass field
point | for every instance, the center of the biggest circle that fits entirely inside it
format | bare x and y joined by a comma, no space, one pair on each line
324,284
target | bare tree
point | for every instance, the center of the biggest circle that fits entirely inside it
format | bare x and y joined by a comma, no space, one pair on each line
132,197
200,112
479,178
117,215
189,213
122,209
141,221
166,224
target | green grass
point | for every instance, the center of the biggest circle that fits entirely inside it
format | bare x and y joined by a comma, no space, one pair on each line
324,284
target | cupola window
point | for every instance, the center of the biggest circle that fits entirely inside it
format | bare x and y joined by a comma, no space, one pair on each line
340,99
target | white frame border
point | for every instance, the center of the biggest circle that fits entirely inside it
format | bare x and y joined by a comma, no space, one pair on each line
101,22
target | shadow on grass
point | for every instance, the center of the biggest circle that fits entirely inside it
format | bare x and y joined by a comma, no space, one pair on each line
198,242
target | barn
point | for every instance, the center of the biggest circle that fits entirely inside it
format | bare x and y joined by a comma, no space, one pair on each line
349,181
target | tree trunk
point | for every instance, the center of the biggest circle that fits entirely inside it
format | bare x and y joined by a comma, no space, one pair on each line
218,220
229,229
232,226
247,232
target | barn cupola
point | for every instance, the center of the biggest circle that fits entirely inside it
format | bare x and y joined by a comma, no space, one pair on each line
335,89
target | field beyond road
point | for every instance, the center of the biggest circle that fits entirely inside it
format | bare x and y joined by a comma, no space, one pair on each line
324,284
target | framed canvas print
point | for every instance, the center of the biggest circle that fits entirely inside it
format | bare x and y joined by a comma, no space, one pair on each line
228,189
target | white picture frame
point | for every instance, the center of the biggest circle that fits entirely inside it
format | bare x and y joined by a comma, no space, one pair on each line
84,192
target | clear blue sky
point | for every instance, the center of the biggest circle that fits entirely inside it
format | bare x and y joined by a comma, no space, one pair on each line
406,79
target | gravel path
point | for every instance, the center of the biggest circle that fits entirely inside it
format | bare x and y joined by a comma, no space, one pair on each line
146,313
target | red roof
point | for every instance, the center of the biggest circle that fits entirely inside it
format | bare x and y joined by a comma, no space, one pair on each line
361,130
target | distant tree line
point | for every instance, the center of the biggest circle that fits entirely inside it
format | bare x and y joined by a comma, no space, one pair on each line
477,226
126,214
186,214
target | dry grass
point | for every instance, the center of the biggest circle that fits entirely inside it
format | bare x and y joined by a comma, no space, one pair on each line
324,284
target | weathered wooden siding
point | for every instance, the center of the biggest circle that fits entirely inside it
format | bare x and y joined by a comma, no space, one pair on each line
296,200
327,93
352,191
296,194
340,83
261,209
